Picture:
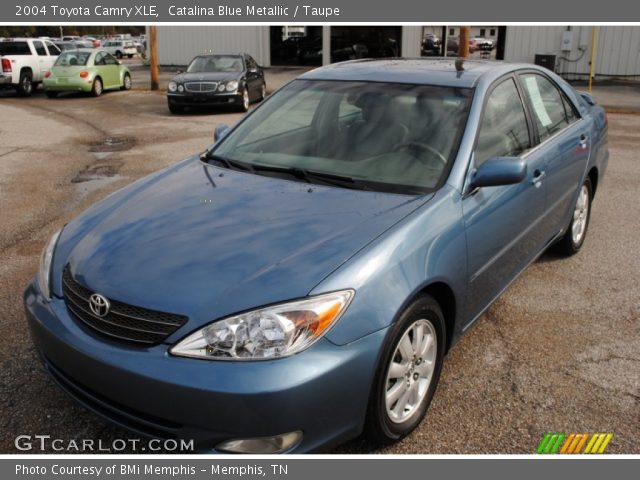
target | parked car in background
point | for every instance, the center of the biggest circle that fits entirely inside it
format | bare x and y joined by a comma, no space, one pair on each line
95,43
301,280
232,79
24,62
86,70
484,44
431,46
120,48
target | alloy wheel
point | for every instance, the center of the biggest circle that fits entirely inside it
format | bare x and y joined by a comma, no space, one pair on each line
411,370
580,215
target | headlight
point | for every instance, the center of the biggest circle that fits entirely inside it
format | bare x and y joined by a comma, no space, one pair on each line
44,274
221,87
173,86
271,332
232,86
180,88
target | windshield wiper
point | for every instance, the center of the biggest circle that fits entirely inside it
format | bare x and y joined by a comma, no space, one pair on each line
227,162
297,172
310,176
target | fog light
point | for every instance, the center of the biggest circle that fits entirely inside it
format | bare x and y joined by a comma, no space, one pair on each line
276,444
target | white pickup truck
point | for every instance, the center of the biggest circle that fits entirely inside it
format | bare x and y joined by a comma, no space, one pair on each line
24,62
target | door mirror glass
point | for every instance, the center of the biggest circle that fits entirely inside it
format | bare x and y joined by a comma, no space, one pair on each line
499,171
220,131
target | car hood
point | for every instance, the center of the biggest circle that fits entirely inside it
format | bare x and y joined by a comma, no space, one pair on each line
207,242
207,77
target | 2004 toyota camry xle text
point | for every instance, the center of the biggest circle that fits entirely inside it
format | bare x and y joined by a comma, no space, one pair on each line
301,281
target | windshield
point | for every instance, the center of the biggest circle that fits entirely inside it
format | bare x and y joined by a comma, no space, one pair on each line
216,63
382,136
71,58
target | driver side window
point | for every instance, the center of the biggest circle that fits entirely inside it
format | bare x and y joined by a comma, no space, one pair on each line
503,129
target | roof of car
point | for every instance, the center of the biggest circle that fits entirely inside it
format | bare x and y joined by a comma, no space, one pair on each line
427,71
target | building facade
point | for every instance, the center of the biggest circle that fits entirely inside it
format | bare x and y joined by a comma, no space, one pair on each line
617,47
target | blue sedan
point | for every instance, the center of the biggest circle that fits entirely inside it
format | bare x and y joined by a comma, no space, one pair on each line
301,281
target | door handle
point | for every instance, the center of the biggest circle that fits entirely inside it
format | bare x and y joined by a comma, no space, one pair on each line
583,140
537,178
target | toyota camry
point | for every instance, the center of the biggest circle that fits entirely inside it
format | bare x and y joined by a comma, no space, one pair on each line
301,280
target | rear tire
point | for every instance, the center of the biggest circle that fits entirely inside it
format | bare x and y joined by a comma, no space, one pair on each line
97,87
574,237
408,374
263,92
25,87
52,94
118,54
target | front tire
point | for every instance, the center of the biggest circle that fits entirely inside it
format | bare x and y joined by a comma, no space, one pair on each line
97,87
263,92
119,55
25,87
244,106
573,239
408,373
126,82
175,108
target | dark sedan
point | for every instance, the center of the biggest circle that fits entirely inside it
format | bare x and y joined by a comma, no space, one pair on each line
222,79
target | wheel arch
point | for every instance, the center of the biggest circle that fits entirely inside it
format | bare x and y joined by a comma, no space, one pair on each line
442,293
593,177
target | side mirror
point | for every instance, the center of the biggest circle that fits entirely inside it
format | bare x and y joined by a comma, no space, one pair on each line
220,131
499,171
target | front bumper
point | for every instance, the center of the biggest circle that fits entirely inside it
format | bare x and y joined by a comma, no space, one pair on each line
322,391
188,99
67,84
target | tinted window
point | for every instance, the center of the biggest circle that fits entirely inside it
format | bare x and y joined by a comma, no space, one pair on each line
569,110
53,50
547,105
40,50
14,48
503,130
109,59
383,136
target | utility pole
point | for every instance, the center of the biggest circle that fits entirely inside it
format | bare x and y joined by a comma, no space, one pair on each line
463,46
153,54
592,59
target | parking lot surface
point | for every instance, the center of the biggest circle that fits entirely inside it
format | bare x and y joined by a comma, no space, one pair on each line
559,351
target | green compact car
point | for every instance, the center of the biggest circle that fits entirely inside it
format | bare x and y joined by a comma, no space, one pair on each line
86,70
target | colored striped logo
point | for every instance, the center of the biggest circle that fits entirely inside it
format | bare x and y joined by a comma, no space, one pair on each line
560,442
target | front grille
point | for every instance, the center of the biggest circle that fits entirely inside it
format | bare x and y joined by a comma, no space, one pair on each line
124,322
199,87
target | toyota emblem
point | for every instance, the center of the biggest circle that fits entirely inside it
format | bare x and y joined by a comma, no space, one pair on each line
99,305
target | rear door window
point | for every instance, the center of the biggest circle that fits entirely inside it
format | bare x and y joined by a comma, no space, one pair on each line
547,105
40,50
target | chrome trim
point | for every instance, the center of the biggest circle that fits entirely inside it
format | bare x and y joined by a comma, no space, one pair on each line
201,87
